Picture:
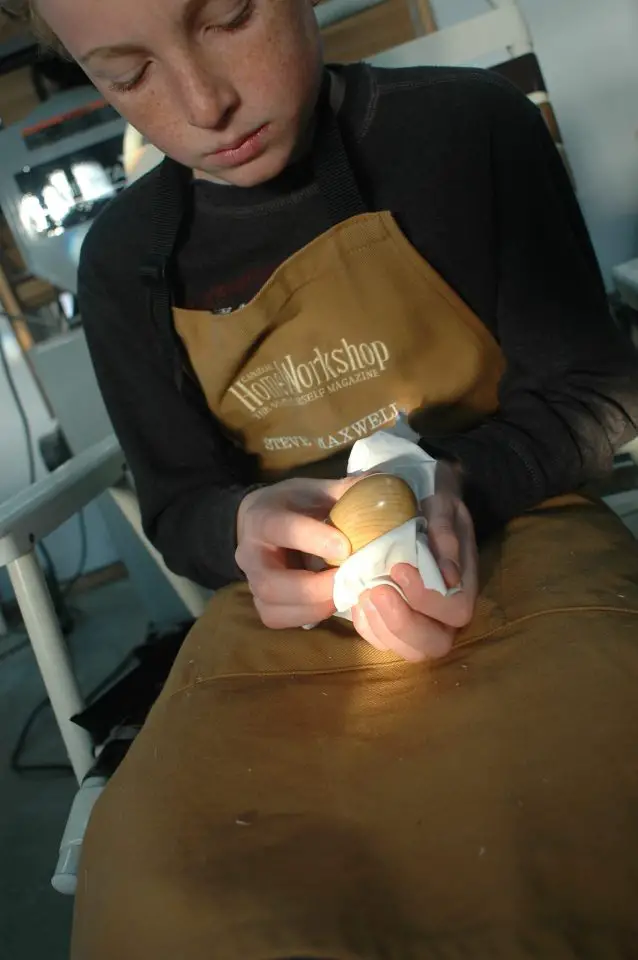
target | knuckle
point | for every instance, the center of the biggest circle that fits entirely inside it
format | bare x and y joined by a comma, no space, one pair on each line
318,612
261,587
440,504
462,612
442,524
268,616
268,525
242,557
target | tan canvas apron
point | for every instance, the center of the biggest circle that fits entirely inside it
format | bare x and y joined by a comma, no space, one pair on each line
303,795
351,331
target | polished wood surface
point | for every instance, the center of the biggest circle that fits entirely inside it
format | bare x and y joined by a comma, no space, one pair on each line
372,507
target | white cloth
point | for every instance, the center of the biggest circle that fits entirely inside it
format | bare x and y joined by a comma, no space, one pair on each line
386,452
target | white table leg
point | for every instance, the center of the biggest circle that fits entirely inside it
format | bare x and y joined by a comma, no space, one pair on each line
193,598
52,656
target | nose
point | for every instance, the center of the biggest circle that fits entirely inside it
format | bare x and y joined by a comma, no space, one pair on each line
207,100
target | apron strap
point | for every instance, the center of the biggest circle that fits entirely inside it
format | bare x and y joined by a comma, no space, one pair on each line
168,210
332,167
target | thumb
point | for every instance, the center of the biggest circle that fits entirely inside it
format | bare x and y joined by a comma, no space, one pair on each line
440,513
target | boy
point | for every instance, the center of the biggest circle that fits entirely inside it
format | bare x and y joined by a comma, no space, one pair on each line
399,242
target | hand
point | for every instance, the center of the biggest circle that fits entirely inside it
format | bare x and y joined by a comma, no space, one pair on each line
425,626
276,525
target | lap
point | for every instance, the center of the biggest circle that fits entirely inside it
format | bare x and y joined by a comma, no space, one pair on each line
303,794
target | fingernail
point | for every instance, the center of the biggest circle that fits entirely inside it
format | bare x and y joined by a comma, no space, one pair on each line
401,576
337,549
451,572
367,604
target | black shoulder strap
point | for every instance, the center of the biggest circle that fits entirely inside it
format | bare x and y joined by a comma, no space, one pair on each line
336,182
168,210
333,169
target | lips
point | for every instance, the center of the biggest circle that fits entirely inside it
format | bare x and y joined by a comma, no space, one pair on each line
241,151
237,144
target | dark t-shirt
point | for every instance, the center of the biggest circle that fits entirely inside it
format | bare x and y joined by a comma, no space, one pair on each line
466,165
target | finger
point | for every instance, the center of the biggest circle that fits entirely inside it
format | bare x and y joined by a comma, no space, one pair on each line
290,588
451,573
410,634
454,610
335,489
440,514
282,527
314,498
363,628
280,617
251,557
469,550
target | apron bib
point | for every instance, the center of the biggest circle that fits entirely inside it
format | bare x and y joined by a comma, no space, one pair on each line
350,332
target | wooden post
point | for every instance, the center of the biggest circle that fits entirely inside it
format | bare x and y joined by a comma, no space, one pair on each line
426,15
12,308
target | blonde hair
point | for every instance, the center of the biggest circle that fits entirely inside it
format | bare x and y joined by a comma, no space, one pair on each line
27,12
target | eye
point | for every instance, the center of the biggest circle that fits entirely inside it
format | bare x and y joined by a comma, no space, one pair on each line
239,20
124,86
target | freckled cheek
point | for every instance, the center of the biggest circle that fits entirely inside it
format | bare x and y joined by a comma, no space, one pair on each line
159,122
145,113
276,83
171,138
277,63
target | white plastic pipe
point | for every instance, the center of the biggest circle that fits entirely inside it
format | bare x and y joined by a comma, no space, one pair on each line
65,877
52,656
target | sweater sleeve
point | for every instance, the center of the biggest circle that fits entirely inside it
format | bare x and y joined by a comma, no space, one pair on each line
569,397
188,476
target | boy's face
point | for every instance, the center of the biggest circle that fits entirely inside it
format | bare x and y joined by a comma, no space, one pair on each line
226,87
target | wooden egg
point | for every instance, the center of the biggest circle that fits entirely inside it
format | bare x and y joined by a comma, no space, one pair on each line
373,506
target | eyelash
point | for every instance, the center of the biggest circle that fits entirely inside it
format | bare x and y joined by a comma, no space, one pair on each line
241,19
233,26
124,87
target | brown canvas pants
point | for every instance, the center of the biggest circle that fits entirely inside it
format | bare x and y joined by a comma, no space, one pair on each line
301,794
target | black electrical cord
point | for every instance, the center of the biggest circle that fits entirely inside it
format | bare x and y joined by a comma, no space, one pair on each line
63,769
11,10
48,560
20,645
84,549
23,768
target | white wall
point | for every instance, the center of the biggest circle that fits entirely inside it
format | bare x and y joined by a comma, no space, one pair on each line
588,50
